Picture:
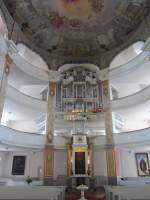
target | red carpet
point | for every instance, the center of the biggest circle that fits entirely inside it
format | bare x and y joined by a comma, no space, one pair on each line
93,194
89,198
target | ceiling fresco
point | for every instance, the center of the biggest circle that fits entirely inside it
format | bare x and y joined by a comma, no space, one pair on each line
78,27
77,15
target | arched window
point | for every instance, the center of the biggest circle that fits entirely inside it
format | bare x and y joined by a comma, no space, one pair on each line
31,57
128,54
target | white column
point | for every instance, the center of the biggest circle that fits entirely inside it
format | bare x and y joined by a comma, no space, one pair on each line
110,147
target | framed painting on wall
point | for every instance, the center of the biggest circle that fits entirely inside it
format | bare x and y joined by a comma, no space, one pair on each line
142,163
18,166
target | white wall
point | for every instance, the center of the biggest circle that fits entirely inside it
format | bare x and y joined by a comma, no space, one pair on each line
100,166
21,125
59,141
2,164
34,160
128,161
60,162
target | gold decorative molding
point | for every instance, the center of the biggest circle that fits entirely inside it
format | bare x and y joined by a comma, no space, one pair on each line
8,60
48,161
111,166
52,88
69,160
7,70
90,157
49,137
105,86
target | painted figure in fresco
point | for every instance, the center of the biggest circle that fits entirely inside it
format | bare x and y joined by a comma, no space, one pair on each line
143,166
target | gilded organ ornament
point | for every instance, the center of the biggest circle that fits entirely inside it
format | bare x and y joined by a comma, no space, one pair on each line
52,86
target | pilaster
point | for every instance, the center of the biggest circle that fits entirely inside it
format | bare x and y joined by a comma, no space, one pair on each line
110,148
4,82
50,123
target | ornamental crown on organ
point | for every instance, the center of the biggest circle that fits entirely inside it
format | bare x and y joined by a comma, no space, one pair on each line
79,91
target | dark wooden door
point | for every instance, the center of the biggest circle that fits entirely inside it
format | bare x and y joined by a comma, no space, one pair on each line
80,163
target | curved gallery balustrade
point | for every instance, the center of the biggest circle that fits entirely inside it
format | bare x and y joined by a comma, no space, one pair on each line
13,137
40,106
114,73
129,67
131,100
26,100
136,137
16,138
128,54
121,103
31,57
22,139
28,68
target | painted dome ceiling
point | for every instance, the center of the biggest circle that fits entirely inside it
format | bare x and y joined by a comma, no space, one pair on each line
78,26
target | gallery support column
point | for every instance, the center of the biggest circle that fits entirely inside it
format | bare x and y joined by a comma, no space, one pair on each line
110,148
49,148
4,81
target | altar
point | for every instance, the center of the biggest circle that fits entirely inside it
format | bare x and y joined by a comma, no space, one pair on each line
80,161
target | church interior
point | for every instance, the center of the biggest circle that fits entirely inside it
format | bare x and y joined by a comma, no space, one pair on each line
75,99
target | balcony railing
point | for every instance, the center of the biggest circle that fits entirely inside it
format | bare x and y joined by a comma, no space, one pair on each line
13,137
